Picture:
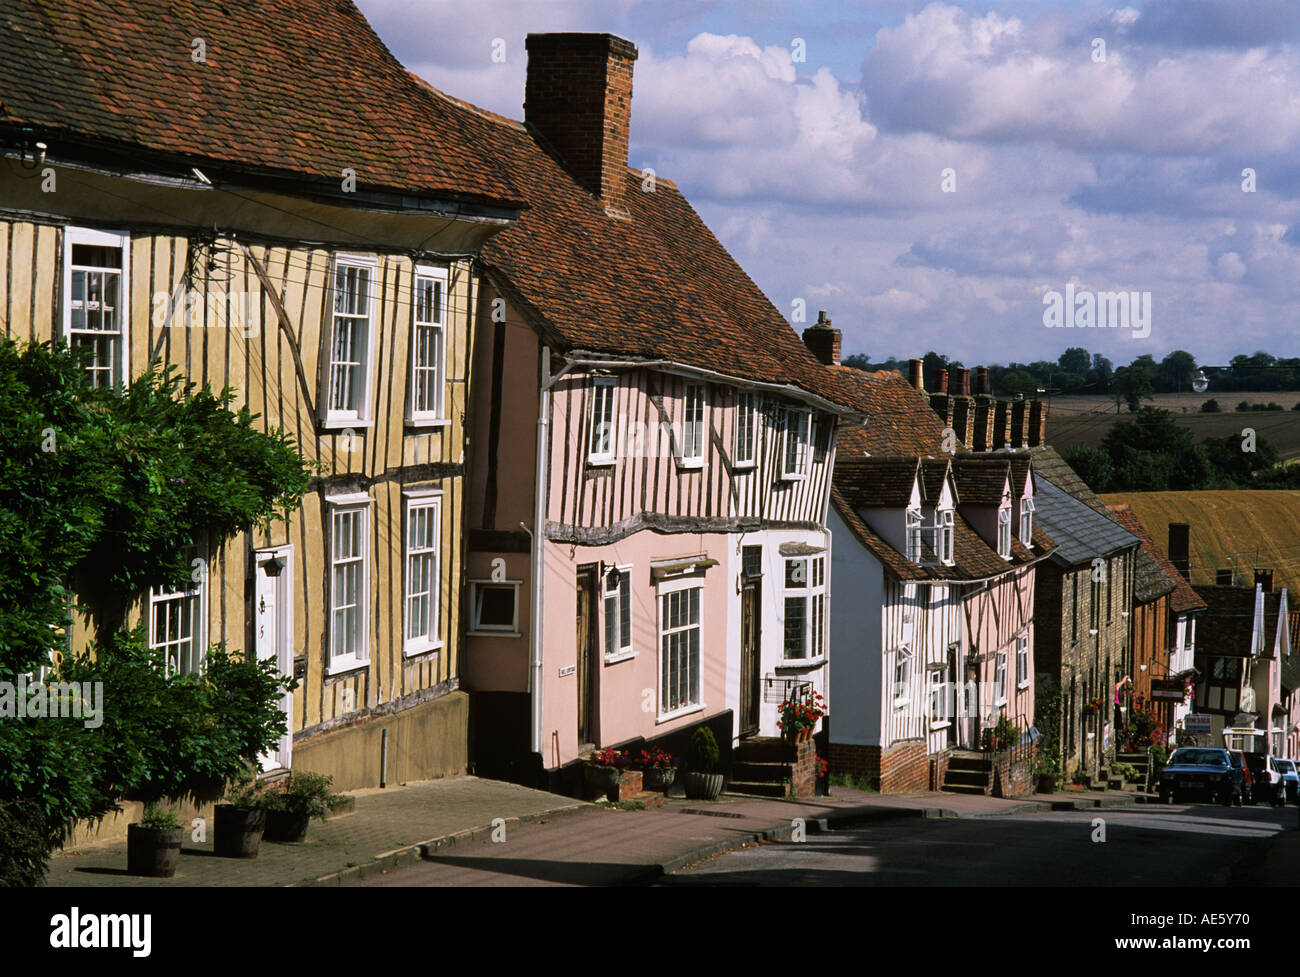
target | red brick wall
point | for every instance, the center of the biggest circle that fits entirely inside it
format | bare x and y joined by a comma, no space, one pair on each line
854,759
803,770
905,768
1013,779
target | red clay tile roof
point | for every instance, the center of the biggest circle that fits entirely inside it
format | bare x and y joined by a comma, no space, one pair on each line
1225,629
657,286
292,88
982,480
1182,597
879,481
900,420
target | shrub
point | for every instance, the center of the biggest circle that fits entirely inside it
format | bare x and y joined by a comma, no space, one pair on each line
159,818
703,754
1002,736
1211,406
305,793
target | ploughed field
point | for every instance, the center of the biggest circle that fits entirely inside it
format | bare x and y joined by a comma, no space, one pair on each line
1227,525
1086,419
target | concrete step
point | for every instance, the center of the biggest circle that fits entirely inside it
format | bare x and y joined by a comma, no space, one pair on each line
756,788
748,770
967,777
963,789
763,749
970,764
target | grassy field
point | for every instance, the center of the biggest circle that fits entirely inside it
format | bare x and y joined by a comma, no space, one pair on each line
1085,420
1227,527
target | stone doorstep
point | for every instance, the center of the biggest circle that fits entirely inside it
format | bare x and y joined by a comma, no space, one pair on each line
422,851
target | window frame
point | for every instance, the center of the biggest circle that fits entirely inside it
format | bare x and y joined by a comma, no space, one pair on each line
663,595
946,523
1027,509
331,417
609,386
902,689
1000,690
120,240
803,445
938,688
1004,532
622,598
747,403
200,594
1022,662
359,656
437,415
812,592
431,638
476,627
694,429
914,529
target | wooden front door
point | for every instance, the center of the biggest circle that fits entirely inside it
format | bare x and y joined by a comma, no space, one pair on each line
587,655
750,631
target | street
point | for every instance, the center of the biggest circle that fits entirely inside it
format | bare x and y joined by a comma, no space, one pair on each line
1173,845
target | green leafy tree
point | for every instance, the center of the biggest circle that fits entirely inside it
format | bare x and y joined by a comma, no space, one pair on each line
101,493
1075,360
1176,371
1134,383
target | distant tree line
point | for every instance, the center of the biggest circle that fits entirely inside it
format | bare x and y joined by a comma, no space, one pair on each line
1152,452
1076,371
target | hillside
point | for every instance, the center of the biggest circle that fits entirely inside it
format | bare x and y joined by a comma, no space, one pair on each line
1085,420
1227,525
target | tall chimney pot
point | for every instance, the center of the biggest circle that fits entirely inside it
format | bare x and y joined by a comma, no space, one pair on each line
823,341
1180,548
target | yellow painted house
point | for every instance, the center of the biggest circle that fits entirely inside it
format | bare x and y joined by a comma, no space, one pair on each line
261,195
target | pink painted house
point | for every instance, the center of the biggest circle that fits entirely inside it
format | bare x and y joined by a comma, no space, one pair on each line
651,454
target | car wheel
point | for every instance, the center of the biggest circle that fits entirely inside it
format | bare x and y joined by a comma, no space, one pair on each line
1165,797
1226,800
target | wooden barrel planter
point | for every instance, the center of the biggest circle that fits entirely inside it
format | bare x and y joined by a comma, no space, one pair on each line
238,830
286,826
153,852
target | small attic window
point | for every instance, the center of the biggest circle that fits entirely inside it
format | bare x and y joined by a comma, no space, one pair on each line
1004,532
914,535
1026,521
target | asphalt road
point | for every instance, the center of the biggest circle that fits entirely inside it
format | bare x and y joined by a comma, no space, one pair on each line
1168,845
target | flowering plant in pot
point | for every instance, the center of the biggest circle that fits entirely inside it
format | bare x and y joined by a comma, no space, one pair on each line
153,844
703,781
799,719
601,772
292,804
659,768
240,821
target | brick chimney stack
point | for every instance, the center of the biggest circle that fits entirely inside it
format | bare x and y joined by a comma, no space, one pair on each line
1019,414
578,95
1037,423
941,401
963,409
1001,424
963,383
823,341
1265,577
1180,548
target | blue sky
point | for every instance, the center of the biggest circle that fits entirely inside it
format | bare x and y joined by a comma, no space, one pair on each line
826,177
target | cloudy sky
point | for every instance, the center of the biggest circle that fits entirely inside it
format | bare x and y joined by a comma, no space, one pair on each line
1093,145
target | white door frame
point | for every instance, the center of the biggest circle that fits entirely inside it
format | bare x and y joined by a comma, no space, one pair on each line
283,585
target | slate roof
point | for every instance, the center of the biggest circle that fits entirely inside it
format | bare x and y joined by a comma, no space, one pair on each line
1049,464
1155,573
1080,533
297,89
1291,666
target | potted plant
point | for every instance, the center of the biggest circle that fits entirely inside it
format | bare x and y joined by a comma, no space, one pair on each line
799,719
658,767
702,779
292,804
601,773
153,844
1047,768
240,821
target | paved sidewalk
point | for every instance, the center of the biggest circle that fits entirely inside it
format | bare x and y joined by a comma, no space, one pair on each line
386,824
440,833
612,847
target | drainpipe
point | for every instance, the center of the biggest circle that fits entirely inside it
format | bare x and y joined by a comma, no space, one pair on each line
538,535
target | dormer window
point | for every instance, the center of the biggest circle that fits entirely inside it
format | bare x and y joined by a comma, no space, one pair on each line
1004,532
1026,520
914,535
944,519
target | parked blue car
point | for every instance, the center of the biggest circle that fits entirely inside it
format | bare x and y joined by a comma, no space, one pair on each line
1207,772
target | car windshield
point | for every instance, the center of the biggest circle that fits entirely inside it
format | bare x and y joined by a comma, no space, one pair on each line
1284,766
1199,758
